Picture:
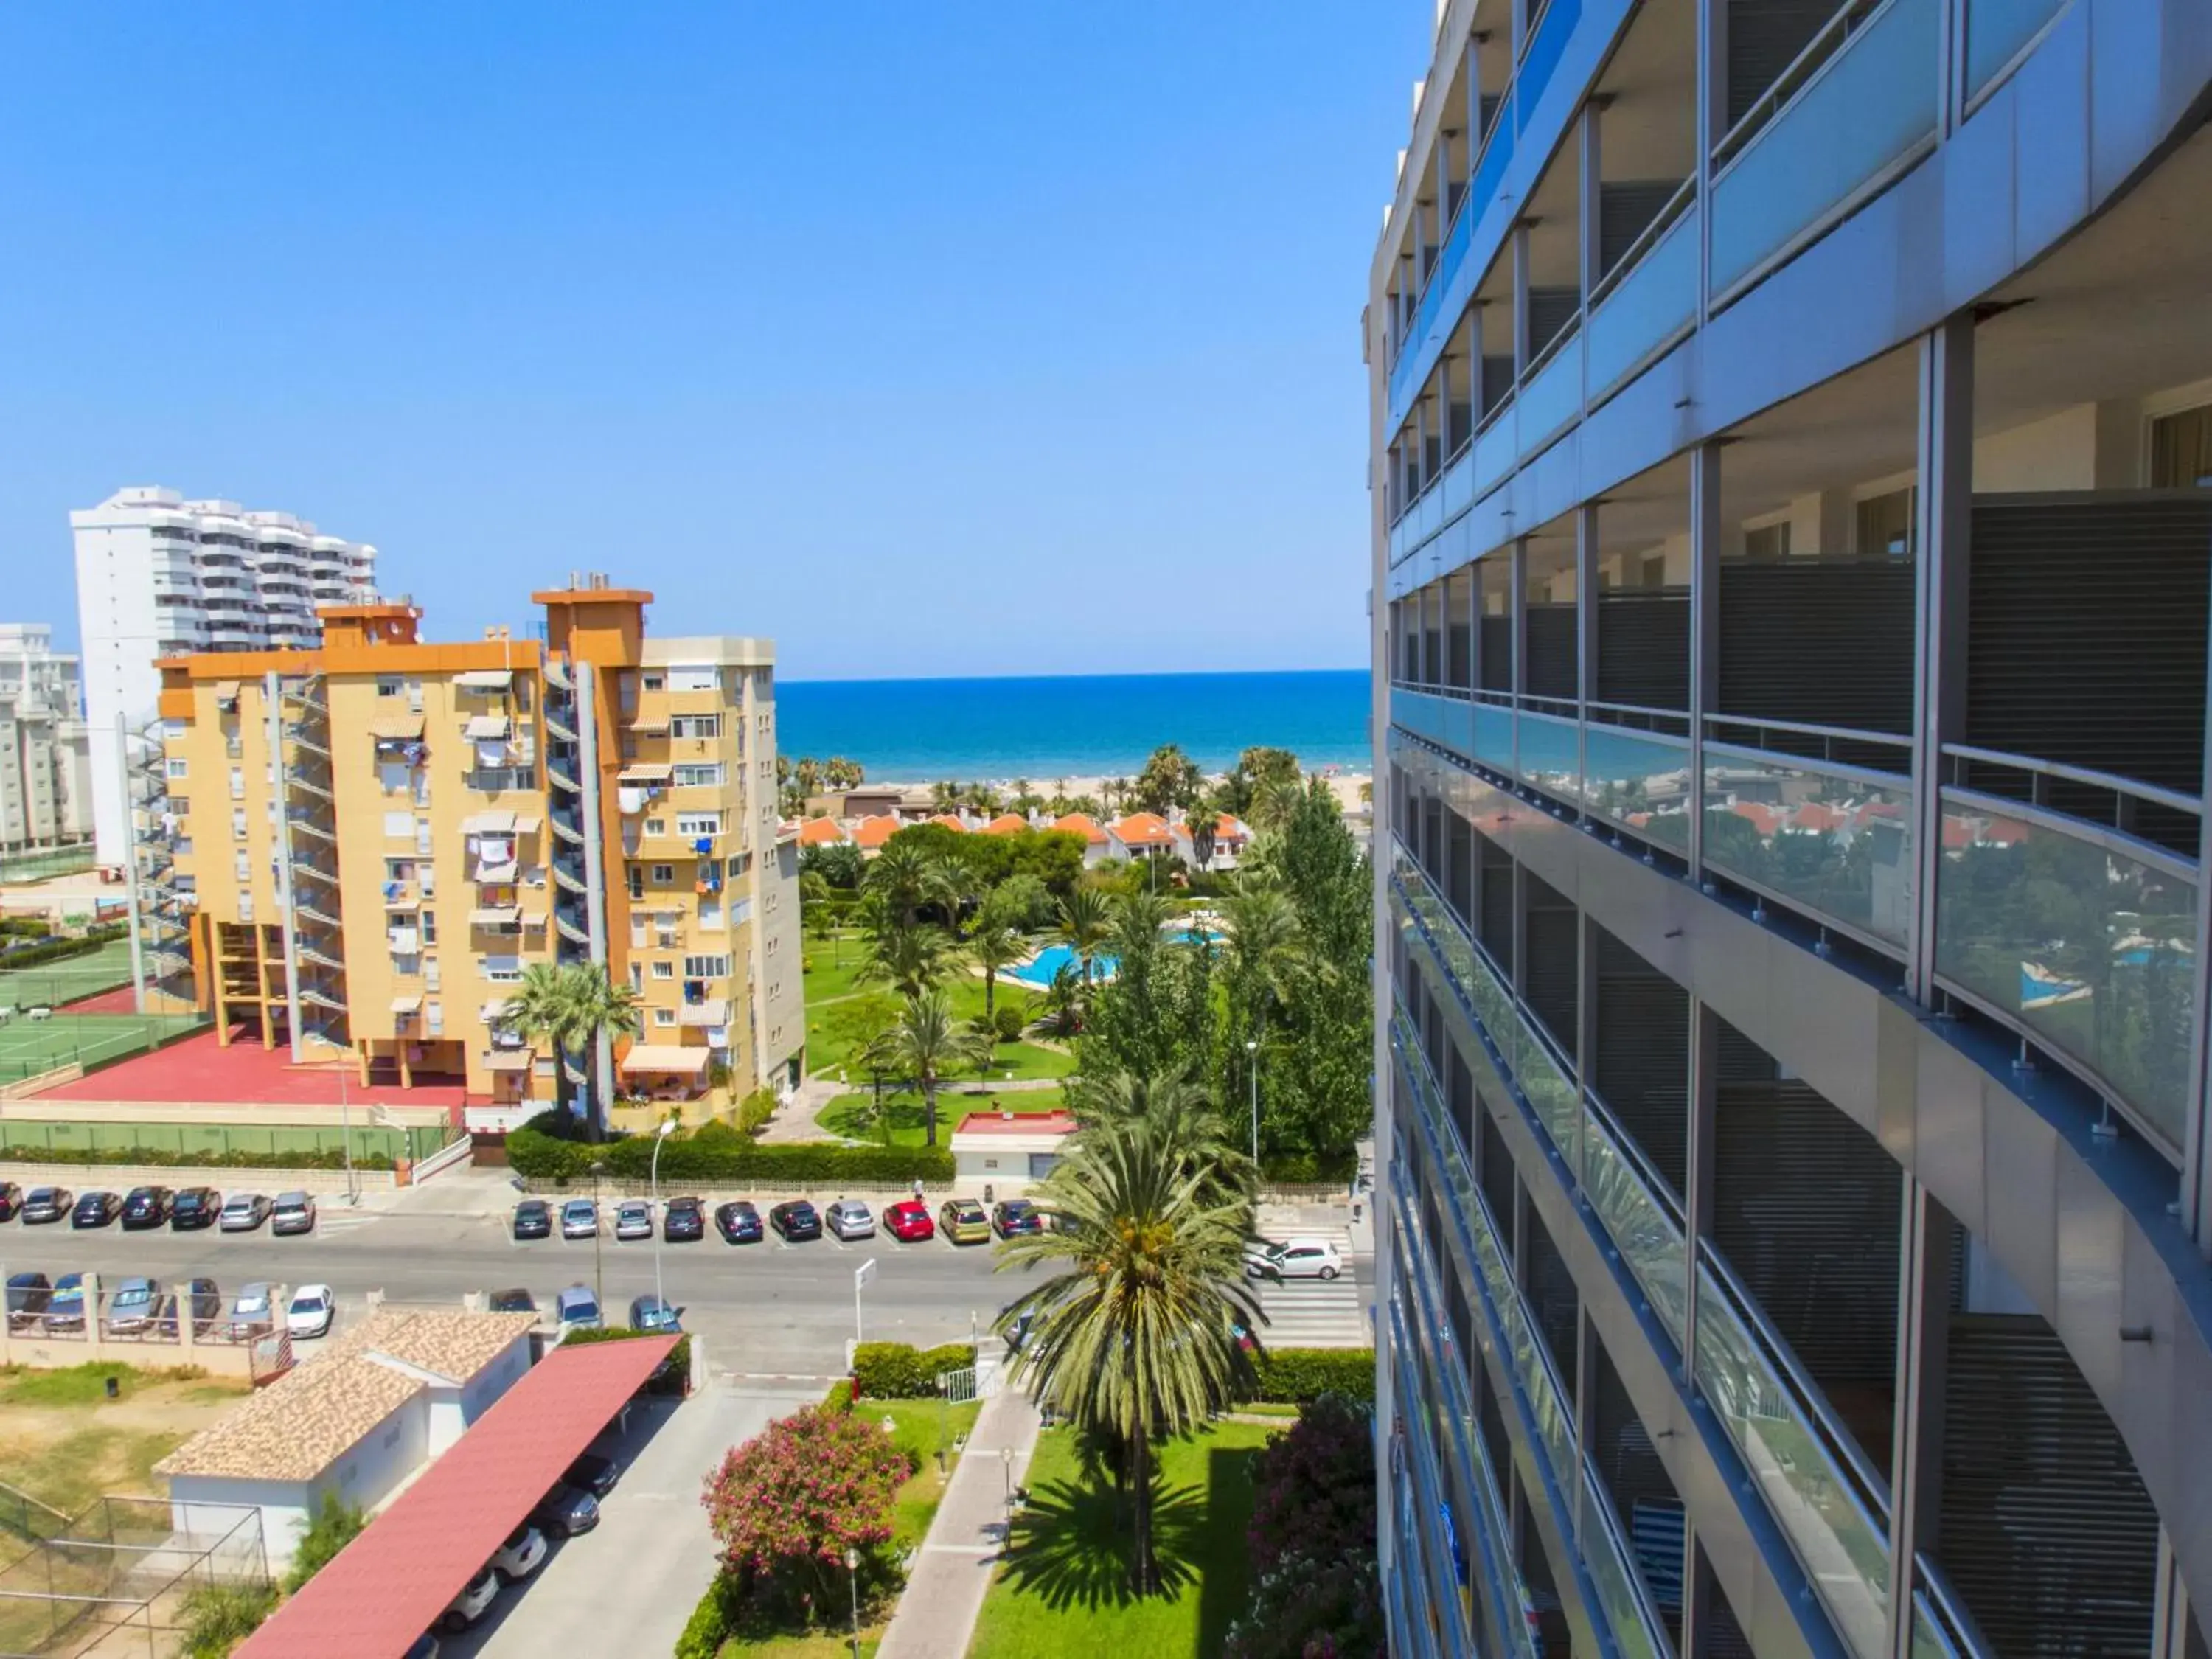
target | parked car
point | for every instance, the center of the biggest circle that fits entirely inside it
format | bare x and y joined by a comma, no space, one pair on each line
194,1207
311,1310
522,1555
513,1300
848,1218
243,1212
1014,1216
592,1473
204,1302
11,1200
292,1213
473,1603
652,1313
95,1210
1294,1258
27,1296
683,1219
425,1646
131,1309
795,1218
908,1221
254,1313
580,1219
962,1221
45,1204
738,1222
533,1218
567,1511
633,1218
65,1308
576,1310
146,1207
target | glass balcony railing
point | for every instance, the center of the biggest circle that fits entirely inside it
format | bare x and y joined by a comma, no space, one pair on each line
1494,737
1459,236
1438,1570
1649,305
1550,754
1871,103
1547,44
1995,32
1640,782
1552,400
1785,1441
1830,840
2079,935
1616,1602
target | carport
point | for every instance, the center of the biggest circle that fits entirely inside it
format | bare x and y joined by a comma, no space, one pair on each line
393,1582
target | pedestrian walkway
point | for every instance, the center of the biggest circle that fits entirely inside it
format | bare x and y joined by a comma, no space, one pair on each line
1313,1313
936,1616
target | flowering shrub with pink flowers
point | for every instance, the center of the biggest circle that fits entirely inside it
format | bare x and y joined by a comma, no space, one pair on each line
1314,1590
787,1505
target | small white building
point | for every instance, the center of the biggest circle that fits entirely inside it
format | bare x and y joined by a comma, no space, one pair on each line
356,1420
1008,1151
1231,838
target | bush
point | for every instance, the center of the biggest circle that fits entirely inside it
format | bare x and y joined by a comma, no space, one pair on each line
716,1132
1296,1376
676,1379
1309,1168
899,1371
708,1626
537,1156
329,1158
755,1110
336,1525
1008,1021
1314,1588
839,1399
218,1617
52,949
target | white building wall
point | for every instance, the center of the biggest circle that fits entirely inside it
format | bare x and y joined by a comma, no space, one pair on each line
364,1476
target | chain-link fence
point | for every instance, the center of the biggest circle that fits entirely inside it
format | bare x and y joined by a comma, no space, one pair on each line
32,1045
117,1579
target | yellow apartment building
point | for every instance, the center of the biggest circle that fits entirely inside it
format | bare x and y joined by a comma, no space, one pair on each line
369,841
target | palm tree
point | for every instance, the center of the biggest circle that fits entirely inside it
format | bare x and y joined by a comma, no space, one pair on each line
1178,1108
924,1044
543,1010
1134,921
1060,1009
603,1009
947,794
1267,953
1082,924
1135,1339
910,960
993,946
907,876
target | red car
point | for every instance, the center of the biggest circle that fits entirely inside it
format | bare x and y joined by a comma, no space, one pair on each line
908,1219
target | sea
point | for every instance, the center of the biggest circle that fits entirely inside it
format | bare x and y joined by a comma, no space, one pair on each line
1073,725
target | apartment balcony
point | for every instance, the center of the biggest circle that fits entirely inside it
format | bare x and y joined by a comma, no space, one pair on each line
499,780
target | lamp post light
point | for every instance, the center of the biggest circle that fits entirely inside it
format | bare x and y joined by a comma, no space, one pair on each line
861,1275
853,1580
598,1276
1252,1051
1006,1462
653,1191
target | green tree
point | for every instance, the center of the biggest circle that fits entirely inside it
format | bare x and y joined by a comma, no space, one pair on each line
1170,778
217,1618
926,1044
336,1525
1054,857
994,947
543,1010
603,1009
1083,920
1158,1013
910,875
1132,1339
840,864
910,960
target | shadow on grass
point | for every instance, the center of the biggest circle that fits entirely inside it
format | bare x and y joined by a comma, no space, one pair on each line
1072,1545
1223,1592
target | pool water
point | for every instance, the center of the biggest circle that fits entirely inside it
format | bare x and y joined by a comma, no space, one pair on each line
1038,971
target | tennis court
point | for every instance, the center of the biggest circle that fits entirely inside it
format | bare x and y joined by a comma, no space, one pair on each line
29,1048
55,984
44,862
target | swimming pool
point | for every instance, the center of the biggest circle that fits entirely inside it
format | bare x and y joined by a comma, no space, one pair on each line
1037,972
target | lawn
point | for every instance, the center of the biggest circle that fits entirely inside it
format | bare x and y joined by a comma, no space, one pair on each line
65,1443
50,984
921,1426
1063,1588
29,1048
848,1114
844,1014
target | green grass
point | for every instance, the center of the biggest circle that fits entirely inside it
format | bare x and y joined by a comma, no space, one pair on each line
29,1047
1063,1588
69,1471
848,1114
52,983
844,1012
85,1385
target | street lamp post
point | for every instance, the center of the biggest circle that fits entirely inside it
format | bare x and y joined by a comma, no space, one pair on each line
1252,1050
853,1578
652,1190
861,1275
599,1277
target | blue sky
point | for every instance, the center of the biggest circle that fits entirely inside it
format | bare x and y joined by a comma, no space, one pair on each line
949,339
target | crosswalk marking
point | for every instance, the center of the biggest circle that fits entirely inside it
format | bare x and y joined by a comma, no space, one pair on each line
1316,1313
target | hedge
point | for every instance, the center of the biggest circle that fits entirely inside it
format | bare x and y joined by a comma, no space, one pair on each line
52,949
1293,1377
535,1155
679,1358
329,1158
708,1626
899,1371
1309,1168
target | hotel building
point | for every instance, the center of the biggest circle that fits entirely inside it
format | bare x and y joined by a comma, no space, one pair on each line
1792,427
158,575
46,774
432,818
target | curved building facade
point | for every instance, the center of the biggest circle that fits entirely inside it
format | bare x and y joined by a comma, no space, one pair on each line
1792,481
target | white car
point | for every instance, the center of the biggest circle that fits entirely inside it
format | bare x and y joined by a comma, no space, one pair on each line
580,1219
633,1218
848,1218
1294,1258
473,1603
522,1555
311,1309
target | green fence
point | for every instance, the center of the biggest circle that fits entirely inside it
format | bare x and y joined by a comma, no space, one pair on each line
308,1144
40,863
55,984
30,1047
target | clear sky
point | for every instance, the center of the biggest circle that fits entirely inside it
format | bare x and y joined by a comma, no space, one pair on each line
933,338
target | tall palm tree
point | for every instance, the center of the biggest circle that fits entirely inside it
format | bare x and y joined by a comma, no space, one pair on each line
1133,1340
1178,1108
1060,1009
603,1009
1134,922
910,960
924,1045
907,876
993,946
1267,953
1083,926
543,1009
947,794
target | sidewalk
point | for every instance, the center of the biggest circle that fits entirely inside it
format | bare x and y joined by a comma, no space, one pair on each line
936,1616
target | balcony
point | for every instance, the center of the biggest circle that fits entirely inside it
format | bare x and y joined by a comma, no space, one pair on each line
499,779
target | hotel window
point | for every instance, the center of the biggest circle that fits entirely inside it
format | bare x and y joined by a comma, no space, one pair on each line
399,826
429,927
2181,450
245,867
636,882
698,776
664,1016
656,826
389,688
430,972
654,682
741,911
710,915
238,783
433,1017
637,971
698,823
637,932
663,970
663,874
1885,525
179,768
739,865
706,967
695,726
238,823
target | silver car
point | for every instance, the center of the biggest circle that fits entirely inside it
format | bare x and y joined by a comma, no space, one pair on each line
580,1219
633,1218
131,1310
848,1218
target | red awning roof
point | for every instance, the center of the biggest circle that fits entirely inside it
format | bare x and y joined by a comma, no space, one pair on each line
393,1582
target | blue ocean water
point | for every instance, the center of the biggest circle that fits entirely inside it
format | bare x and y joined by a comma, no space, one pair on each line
1074,725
